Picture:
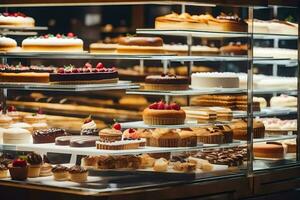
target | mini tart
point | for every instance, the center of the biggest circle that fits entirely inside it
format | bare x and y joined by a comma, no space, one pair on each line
110,135
7,44
3,171
78,174
166,82
163,117
165,138
60,173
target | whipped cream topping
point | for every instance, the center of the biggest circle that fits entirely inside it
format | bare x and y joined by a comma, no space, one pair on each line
10,20
5,41
52,41
90,125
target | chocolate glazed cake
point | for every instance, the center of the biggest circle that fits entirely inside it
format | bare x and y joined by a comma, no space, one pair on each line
166,82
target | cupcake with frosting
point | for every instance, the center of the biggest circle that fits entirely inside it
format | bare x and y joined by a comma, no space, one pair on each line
89,127
35,162
111,134
46,167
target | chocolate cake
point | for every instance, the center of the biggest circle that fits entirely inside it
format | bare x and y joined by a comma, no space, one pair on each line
166,82
47,135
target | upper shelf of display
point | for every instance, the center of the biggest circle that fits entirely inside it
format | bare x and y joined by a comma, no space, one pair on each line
29,3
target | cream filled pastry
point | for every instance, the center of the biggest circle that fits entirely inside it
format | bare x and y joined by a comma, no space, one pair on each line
57,43
16,19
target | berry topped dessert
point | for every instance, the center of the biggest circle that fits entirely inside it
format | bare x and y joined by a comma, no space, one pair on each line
166,82
16,19
111,134
18,169
89,127
161,113
56,43
84,75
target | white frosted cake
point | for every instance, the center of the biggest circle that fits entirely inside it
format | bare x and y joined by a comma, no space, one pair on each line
58,43
283,101
7,44
16,19
274,26
275,52
214,80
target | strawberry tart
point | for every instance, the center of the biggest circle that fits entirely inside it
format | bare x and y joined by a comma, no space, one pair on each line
16,19
161,113
56,43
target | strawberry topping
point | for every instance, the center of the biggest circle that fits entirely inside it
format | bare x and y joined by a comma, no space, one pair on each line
70,35
164,106
117,126
19,163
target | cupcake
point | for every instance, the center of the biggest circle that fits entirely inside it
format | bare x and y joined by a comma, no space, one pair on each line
111,134
5,121
46,167
22,125
89,127
165,138
35,161
60,173
3,171
78,174
18,169
132,134
89,161
34,118
14,114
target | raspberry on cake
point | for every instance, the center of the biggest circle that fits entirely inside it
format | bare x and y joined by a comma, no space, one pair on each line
166,82
7,44
85,75
16,19
53,43
161,113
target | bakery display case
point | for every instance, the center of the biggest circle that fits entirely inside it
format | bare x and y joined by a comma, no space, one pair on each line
218,106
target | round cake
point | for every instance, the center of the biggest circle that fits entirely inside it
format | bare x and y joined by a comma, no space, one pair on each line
269,150
16,19
163,114
140,45
7,44
166,82
16,136
58,43
214,80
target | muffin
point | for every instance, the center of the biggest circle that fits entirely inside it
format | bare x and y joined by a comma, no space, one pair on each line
147,161
165,138
161,113
160,165
18,169
110,135
209,136
78,174
34,168
227,133
239,129
89,127
46,167
5,121
3,171
187,138
60,173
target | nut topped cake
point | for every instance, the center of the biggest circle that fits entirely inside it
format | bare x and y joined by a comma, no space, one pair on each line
166,82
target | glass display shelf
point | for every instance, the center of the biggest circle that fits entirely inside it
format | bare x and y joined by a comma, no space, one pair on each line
267,112
213,34
121,85
141,124
274,138
25,31
193,92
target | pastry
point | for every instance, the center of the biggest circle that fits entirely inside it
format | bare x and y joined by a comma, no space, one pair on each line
78,174
120,144
35,118
147,161
166,82
262,102
160,113
85,75
184,167
291,146
239,129
234,49
16,136
17,19
47,135
119,162
39,126
89,127
146,134
52,43
214,80
276,126
7,44
46,167
111,134
201,22
64,140
3,171
18,170
84,141
276,53
89,162
140,45
165,138
102,48
14,114
187,138
201,114
160,165
209,136
227,133
5,121
283,101
60,173
269,150
34,168
274,26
